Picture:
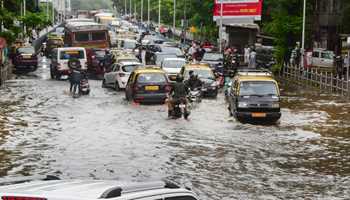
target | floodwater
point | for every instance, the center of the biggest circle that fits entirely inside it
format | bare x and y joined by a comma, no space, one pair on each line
45,131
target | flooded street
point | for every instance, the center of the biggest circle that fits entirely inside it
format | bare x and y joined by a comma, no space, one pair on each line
43,130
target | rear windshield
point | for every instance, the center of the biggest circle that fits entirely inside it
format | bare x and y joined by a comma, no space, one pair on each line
151,78
202,73
129,68
260,88
65,55
213,57
100,53
26,50
129,44
82,37
173,63
98,36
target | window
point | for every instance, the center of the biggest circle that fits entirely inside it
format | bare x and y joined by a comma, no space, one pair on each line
315,54
116,68
98,36
260,88
68,54
326,55
151,78
181,198
82,37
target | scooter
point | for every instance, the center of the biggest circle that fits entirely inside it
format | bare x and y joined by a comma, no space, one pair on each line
195,96
84,86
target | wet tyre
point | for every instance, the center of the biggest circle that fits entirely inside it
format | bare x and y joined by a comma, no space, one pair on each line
103,83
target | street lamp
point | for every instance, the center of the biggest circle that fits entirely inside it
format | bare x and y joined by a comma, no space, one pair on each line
174,19
159,3
220,31
303,35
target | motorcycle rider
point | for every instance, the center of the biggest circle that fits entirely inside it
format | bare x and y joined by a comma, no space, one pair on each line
193,81
75,75
178,93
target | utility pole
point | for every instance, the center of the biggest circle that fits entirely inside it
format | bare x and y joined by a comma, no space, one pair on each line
148,12
174,18
24,14
2,22
135,10
130,8
220,30
141,11
159,13
125,8
53,12
303,36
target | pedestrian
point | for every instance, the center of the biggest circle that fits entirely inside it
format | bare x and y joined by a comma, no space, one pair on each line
339,66
75,75
246,55
252,59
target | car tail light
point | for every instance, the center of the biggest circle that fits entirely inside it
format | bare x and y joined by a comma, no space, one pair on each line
93,57
21,198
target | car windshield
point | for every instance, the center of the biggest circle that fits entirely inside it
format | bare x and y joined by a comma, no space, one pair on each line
129,44
151,78
68,54
161,57
172,50
128,60
213,57
173,63
26,50
202,73
129,68
259,88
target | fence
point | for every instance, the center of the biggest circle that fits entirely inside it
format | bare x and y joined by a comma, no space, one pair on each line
324,80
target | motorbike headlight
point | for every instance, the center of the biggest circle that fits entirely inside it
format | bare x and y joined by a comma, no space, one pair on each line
275,105
242,104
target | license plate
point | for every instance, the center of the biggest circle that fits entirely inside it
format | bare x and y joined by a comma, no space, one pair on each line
27,57
258,114
152,88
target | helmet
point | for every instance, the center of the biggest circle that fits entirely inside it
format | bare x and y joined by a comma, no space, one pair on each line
74,63
179,78
191,72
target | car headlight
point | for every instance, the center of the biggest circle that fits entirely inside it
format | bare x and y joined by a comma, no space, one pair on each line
242,104
275,105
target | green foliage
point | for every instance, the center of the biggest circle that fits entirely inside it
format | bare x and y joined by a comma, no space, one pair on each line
284,23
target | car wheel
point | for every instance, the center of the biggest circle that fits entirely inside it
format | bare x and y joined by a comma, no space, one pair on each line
52,74
116,86
58,76
104,83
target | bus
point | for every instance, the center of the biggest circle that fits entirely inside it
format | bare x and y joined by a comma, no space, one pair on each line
86,34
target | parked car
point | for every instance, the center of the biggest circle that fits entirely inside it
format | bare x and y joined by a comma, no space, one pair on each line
52,188
254,95
118,77
172,67
25,58
60,58
206,75
322,58
147,85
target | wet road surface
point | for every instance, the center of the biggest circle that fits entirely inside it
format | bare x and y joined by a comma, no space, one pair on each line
101,136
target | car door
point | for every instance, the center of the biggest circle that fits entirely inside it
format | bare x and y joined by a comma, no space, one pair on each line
326,59
108,75
129,85
316,58
114,73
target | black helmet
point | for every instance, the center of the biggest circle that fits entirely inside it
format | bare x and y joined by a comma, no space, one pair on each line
179,78
191,72
74,63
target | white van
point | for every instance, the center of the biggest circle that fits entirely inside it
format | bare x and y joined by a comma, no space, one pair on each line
60,58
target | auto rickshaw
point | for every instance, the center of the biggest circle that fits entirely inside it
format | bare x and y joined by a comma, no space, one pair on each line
52,43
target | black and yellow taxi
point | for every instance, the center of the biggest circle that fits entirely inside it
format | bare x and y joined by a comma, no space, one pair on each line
205,74
147,85
254,95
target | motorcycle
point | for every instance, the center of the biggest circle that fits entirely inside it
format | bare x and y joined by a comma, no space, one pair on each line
195,96
84,87
180,109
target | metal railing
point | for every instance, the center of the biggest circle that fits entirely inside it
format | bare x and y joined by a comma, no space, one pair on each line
322,79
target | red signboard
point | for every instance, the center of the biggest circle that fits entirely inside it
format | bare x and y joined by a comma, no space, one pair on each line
238,9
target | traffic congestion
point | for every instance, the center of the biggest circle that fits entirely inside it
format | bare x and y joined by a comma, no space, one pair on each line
109,100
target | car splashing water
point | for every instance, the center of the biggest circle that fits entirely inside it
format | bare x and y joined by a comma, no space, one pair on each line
101,136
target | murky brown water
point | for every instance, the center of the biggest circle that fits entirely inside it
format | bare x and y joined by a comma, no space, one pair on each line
305,156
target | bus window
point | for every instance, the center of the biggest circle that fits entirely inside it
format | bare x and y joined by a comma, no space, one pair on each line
82,37
98,36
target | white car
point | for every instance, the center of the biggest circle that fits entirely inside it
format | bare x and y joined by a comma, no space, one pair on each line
55,189
172,67
118,77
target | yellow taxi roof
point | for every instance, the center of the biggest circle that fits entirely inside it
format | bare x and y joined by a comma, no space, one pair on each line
149,69
197,66
256,78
